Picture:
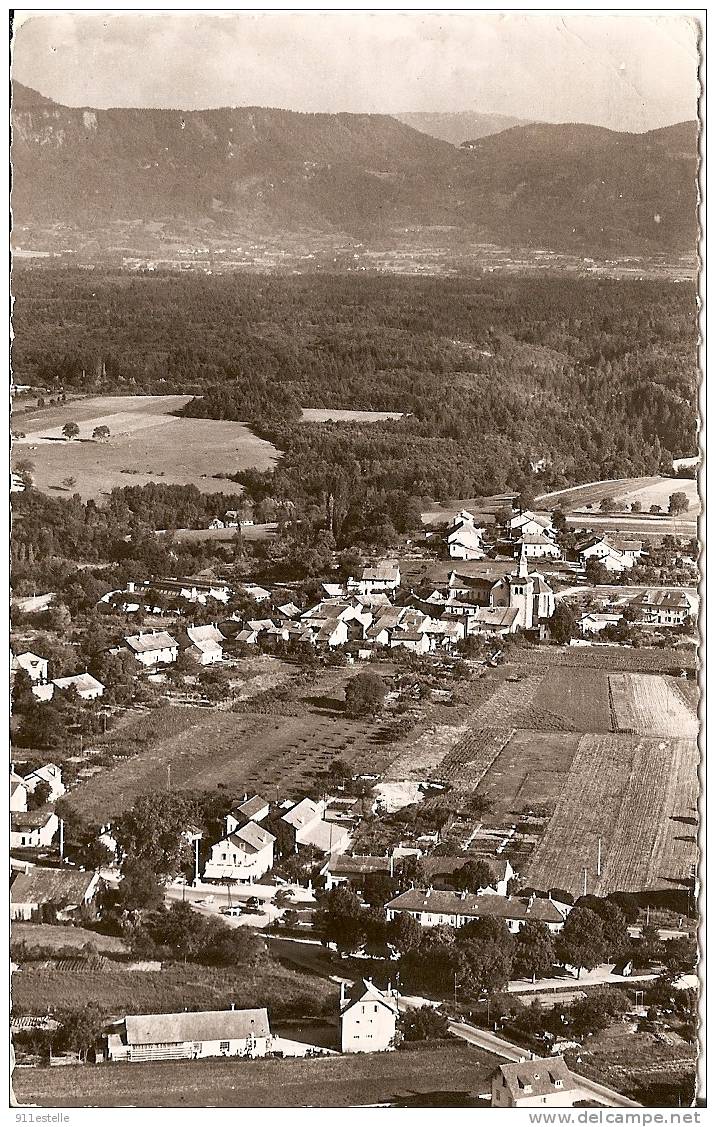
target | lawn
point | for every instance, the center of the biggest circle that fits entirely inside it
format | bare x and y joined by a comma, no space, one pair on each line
441,1074
635,795
37,988
148,443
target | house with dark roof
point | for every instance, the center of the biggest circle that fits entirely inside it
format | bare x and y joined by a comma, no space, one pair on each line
66,889
34,829
541,1082
662,608
368,1018
431,907
464,540
614,553
381,577
191,1036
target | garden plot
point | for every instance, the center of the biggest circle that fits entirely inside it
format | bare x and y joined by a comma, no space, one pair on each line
648,705
631,801
473,755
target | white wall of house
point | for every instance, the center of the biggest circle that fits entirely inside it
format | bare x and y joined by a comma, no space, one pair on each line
367,1027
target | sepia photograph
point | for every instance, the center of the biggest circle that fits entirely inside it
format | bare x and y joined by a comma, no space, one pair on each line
356,603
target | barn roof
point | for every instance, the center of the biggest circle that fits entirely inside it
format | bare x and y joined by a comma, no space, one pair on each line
208,1025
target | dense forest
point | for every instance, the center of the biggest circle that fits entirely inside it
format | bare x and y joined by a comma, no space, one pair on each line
584,379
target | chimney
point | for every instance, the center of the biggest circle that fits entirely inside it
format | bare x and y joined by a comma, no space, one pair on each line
233,1006
343,992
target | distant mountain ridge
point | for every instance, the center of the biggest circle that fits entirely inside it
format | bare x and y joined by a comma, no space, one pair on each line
370,176
459,127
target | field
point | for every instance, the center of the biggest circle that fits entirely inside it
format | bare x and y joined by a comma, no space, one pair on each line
617,659
441,1074
529,772
55,937
648,705
148,443
659,491
579,496
206,748
117,990
638,796
471,758
336,415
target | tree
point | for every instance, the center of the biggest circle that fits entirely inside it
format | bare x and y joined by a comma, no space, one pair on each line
650,947
614,924
153,831
474,875
80,1029
70,431
69,482
598,1010
486,953
534,951
655,509
424,1023
608,505
378,889
636,506
340,919
563,624
595,571
559,521
40,796
404,933
581,942
101,433
364,694
678,503
140,887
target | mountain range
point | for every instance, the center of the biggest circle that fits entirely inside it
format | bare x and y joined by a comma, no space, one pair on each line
573,188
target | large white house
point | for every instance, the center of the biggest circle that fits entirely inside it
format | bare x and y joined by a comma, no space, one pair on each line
382,577
245,854
191,1036
156,647
368,1018
34,666
536,1083
465,541
34,829
310,829
205,643
615,553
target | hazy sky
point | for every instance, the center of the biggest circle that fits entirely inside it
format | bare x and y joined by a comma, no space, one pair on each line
625,71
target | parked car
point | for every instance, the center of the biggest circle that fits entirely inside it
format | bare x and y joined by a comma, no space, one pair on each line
254,902
231,910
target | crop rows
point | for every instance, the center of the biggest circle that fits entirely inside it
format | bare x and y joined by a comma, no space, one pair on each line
473,755
648,705
617,659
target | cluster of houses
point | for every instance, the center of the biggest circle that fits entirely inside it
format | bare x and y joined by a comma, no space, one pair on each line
34,829
84,684
533,535
649,608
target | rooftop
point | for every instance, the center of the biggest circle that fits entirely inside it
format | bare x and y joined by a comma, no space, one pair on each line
157,640
540,1076
207,1025
471,904
41,886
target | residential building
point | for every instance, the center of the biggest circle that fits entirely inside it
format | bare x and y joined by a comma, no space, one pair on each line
34,829
34,666
529,524
539,546
204,643
662,608
253,809
255,592
431,907
85,685
245,854
155,647
382,577
593,622
191,1036
66,889
311,830
464,540
347,868
368,1018
51,774
18,793
496,621
536,1083
614,553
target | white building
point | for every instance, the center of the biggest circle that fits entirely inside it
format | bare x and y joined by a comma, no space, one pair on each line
382,577
34,829
34,666
615,554
431,907
191,1036
368,1018
465,541
51,774
85,685
245,854
156,647
536,1083
206,643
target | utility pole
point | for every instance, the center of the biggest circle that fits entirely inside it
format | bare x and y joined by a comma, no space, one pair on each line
62,839
169,776
584,886
599,857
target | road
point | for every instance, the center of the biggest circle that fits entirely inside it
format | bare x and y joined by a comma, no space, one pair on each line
501,1048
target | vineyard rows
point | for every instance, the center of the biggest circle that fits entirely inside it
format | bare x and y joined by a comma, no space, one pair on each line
473,755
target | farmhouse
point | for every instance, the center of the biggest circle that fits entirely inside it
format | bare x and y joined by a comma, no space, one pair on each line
35,829
340,870
85,685
34,666
310,829
255,592
529,524
245,854
662,608
538,545
191,1036
156,647
535,1083
464,540
204,643
368,1018
253,809
431,908
66,889
51,774
615,554
496,621
383,577
593,622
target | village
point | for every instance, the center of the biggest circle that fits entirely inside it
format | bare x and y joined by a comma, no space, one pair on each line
371,873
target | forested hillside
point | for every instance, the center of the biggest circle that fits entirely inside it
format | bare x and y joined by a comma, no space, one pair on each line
589,379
